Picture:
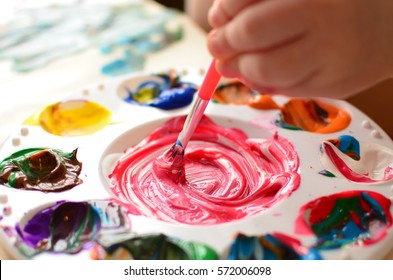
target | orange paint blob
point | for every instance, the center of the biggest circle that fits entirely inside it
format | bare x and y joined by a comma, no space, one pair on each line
236,93
263,102
314,116
297,114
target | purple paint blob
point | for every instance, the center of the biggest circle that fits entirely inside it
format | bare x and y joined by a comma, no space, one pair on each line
69,227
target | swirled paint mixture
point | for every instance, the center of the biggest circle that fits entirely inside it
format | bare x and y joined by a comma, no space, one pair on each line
224,175
357,218
154,247
72,118
69,227
170,93
313,116
47,170
275,246
347,144
296,114
359,162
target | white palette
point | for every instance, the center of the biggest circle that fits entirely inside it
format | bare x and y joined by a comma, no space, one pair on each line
131,123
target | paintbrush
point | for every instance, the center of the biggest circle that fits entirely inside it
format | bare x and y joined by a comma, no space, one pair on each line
205,93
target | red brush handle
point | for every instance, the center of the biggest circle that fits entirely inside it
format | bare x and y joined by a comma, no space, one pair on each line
210,82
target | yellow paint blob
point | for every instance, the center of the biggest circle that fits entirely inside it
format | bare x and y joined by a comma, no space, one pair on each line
72,118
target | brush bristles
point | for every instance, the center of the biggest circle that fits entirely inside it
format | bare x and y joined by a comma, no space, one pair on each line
177,149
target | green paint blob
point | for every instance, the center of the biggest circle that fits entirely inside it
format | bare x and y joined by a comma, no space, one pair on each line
159,247
47,170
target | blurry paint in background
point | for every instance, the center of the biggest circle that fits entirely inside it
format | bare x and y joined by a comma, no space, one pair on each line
35,36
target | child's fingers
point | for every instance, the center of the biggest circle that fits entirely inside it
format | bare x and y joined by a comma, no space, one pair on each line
216,15
223,10
266,25
263,26
218,44
281,68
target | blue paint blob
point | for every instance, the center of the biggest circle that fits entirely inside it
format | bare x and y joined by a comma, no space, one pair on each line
350,146
169,94
270,247
347,144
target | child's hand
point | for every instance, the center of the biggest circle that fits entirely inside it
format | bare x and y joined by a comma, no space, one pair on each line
331,48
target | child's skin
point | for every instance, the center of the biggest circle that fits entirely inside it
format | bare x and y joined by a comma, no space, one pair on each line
331,48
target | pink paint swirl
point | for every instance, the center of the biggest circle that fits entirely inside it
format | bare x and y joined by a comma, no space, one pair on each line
227,176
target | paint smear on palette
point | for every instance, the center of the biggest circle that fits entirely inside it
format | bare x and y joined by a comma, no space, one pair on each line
225,176
275,246
236,93
297,114
69,227
312,115
170,93
359,162
358,218
72,118
154,247
46,170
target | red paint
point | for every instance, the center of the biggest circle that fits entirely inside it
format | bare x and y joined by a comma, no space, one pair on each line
225,175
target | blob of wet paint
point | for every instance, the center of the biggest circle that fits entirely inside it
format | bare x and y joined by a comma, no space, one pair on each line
225,175
274,246
72,118
236,93
69,227
347,144
46,170
171,93
296,114
154,247
357,218
359,162
65,227
313,116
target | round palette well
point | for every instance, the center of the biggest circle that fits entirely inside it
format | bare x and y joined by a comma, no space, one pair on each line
292,219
